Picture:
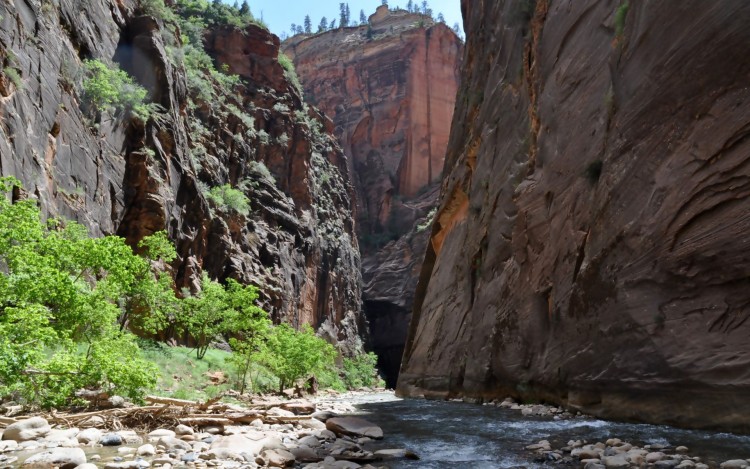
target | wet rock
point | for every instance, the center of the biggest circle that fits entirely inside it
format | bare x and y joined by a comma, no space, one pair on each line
110,439
593,465
310,441
137,464
324,415
586,452
354,426
615,462
64,458
395,454
88,465
189,457
734,464
655,456
666,463
543,445
27,430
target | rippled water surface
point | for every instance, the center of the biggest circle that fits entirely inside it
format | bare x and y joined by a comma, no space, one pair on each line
456,434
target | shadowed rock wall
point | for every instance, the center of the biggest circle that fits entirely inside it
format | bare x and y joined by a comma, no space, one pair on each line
590,247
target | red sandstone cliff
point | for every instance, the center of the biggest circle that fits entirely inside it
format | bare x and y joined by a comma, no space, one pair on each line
133,178
390,89
591,243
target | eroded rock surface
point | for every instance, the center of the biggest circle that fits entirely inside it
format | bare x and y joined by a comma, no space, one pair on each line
390,89
123,176
589,249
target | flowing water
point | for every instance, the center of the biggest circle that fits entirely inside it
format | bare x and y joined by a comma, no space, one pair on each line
456,434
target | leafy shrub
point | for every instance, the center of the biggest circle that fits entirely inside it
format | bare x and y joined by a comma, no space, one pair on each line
14,76
620,16
226,196
361,371
291,355
289,71
428,221
107,88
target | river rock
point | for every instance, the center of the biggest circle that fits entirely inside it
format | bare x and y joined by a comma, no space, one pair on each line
234,446
299,407
279,412
324,415
682,449
616,462
304,453
734,464
666,463
88,465
26,430
654,457
137,464
312,424
8,445
160,433
396,454
89,435
686,464
171,443
146,450
594,465
354,426
64,458
586,452
183,430
310,441
110,439
275,458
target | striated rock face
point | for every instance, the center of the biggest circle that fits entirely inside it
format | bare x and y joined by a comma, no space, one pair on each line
390,89
123,176
590,246
391,97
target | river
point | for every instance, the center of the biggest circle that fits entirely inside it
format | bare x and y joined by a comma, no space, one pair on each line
456,434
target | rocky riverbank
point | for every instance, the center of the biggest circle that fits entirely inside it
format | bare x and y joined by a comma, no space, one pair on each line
306,434
617,454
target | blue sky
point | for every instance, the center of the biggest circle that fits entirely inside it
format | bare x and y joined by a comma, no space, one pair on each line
280,14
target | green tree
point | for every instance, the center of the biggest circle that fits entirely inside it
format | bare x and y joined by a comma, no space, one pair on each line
308,25
343,20
292,354
441,18
362,18
245,8
227,197
61,294
361,371
323,26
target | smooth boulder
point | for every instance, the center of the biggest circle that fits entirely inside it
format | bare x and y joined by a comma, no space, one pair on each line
26,430
64,458
354,426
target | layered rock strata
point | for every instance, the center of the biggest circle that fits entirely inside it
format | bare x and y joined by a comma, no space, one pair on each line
124,176
590,249
390,88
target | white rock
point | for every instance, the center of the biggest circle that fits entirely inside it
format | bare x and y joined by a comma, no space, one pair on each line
26,430
64,458
146,450
87,436
8,445
615,462
654,457
183,430
160,433
734,464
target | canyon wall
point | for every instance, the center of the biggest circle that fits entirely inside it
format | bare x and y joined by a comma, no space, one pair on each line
121,175
590,247
390,88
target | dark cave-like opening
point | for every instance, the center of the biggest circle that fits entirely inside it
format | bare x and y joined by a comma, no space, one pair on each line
389,324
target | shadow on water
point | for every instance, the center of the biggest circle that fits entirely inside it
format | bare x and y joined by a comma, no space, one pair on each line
456,434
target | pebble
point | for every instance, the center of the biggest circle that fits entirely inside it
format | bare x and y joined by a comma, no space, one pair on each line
110,439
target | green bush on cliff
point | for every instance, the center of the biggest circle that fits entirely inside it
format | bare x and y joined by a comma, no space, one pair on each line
106,88
227,197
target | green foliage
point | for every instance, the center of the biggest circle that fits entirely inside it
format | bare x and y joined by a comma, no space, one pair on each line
107,88
289,71
361,371
428,221
60,299
14,76
291,355
620,15
225,196
216,311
